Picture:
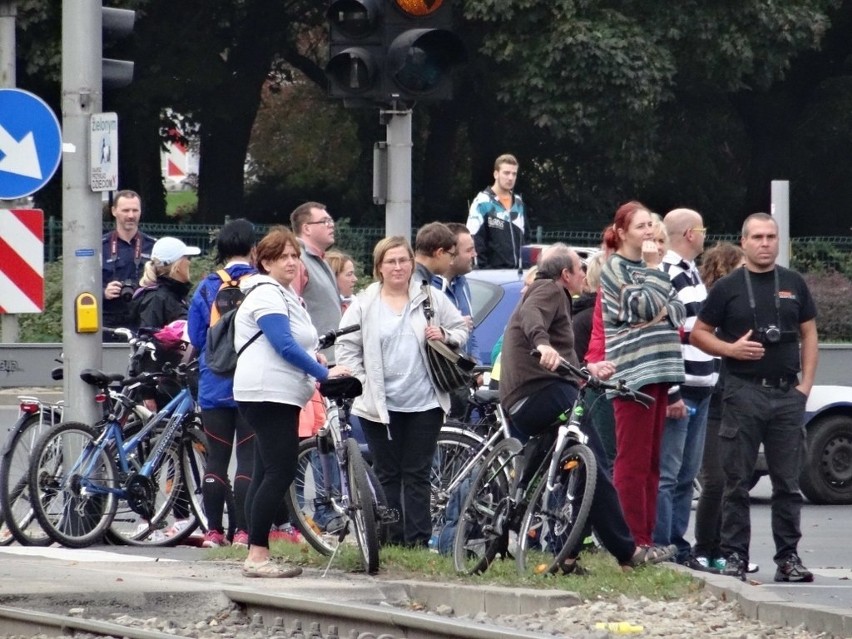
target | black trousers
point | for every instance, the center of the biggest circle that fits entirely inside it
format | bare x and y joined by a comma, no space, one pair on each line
226,430
276,452
753,414
403,452
535,418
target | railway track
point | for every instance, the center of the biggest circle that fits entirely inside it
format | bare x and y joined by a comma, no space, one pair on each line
279,616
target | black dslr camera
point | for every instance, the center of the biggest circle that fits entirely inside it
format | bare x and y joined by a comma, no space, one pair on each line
769,335
128,287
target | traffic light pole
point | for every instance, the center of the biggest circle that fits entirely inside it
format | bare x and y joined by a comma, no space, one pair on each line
81,219
8,323
398,206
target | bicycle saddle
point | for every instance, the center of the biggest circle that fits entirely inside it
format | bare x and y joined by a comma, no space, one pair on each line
340,387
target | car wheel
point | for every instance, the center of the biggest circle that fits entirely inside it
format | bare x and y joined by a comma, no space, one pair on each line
827,472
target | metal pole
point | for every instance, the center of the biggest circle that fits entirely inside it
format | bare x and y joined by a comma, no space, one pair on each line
398,206
781,212
8,323
81,220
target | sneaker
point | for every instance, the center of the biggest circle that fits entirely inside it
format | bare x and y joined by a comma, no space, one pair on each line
735,566
214,539
178,527
241,539
752,568
792,570
700,563
287,534
718,563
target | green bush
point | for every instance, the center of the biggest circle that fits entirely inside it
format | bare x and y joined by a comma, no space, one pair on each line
832,292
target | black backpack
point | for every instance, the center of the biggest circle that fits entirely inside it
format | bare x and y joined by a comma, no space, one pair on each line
220,355
228,297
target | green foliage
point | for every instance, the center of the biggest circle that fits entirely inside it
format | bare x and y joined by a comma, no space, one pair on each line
832,292
46,326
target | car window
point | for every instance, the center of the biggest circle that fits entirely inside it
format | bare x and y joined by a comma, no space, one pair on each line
484,297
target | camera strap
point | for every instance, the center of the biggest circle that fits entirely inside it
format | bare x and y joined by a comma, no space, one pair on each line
137,253
752,303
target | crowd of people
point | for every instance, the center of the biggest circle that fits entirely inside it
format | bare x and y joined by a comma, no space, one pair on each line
653,308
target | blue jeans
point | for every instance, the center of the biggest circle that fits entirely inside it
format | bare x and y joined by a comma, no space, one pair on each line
681,452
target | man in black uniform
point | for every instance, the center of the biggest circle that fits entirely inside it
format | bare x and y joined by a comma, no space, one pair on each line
124,253
755,318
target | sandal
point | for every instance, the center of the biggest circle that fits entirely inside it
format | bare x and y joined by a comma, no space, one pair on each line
269,570
647,555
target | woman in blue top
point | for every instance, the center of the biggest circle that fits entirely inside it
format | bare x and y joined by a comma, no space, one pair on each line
222,422
276,376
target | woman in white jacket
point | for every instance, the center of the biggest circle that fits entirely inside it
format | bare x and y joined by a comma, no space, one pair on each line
401,410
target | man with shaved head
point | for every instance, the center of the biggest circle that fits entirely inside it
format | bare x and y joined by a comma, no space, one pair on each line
682,447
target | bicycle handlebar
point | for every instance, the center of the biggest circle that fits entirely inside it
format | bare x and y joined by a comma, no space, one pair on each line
619,387
327,339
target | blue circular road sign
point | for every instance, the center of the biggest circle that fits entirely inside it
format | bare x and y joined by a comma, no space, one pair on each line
30,143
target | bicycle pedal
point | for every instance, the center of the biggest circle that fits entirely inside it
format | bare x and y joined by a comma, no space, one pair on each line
388,515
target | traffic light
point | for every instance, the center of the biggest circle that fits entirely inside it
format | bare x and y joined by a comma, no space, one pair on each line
421,50
117,25
355,56
391,51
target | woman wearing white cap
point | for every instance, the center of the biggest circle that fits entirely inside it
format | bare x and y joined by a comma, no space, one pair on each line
165,284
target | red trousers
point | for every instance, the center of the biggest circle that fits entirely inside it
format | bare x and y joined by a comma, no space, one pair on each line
636,471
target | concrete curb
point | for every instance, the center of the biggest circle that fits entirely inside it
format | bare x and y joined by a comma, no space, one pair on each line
494,600
772,608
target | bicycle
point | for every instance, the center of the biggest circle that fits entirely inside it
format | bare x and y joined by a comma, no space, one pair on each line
549,513
80,474
35,418
334,488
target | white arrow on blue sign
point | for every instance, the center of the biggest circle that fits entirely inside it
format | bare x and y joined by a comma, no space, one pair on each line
30,143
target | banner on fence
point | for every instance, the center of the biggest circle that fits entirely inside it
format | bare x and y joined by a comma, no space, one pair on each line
21,261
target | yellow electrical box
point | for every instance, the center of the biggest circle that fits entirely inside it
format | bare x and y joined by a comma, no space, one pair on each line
86,313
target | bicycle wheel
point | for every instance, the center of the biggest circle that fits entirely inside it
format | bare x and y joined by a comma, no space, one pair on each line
553,523
454,451
15,505
63,461
309,499
481,531
362,508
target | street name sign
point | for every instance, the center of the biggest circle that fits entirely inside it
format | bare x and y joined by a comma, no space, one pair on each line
30,143
103,152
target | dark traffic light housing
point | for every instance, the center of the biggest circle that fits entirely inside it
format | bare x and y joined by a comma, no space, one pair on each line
117,25
392,51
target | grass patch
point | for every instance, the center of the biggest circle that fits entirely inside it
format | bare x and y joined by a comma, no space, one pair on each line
606,580
176,200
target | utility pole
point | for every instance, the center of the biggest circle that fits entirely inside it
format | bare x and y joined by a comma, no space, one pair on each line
8,78
82,95
398,205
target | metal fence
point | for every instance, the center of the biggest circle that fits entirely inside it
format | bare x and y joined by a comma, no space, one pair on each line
359,242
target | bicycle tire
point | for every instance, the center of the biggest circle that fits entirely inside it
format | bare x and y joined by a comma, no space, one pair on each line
453,452
481,532
18,515
557,526
70,518
194,461
306,492
362,508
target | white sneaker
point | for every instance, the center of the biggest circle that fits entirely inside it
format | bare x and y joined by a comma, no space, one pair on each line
178,527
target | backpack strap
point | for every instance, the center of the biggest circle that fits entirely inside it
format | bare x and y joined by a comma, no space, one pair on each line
226,278
254,337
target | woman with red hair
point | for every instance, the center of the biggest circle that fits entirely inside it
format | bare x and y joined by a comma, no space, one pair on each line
641,317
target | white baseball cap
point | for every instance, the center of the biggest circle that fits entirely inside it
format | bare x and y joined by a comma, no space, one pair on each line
170,249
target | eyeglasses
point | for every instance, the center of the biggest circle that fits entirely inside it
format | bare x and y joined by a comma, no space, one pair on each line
326,220
401,261
453,254
697,229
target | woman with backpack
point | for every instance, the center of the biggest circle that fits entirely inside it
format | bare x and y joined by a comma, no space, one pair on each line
224,426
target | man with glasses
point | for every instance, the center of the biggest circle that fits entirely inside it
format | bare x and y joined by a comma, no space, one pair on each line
316,281
682,447
434,252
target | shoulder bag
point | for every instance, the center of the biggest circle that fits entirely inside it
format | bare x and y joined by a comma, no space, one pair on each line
451,369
